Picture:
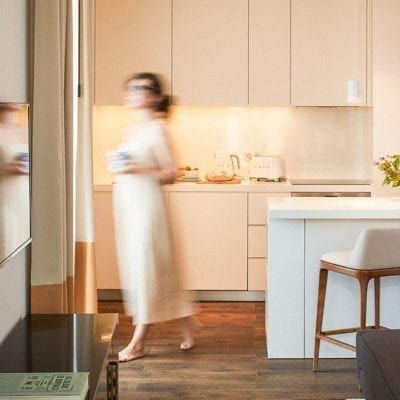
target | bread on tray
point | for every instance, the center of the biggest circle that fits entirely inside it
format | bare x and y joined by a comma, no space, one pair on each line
220,177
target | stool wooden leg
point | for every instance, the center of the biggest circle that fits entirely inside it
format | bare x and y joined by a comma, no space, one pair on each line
377,289
323,278
363,300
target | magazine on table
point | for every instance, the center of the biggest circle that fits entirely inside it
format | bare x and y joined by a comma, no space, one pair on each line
44,385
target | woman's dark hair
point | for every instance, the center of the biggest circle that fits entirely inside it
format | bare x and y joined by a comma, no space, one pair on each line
156,87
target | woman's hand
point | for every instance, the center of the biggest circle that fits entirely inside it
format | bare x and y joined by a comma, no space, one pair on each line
167,176
131,167
119,167
15,168
164,175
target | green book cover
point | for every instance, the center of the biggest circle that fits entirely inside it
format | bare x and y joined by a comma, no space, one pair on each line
46,385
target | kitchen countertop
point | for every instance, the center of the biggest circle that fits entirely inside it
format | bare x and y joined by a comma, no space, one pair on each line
300,230
329,208
249,186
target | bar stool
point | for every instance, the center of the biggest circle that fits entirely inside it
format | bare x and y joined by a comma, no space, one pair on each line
375,254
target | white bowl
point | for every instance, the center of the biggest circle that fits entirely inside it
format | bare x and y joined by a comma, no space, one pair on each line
192,174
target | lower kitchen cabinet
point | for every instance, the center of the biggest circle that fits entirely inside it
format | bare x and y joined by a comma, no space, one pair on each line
107,273
257,274
106,259
219,239
257,253
209,232
258,206
257,240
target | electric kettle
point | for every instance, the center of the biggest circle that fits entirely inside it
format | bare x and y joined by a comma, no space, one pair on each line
224,164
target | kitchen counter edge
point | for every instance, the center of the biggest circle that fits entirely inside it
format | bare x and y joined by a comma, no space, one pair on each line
246,187
334,208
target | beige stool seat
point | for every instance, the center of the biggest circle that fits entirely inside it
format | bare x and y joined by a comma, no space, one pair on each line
375,254
337,257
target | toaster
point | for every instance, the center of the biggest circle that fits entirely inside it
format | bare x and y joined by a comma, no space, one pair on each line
267,168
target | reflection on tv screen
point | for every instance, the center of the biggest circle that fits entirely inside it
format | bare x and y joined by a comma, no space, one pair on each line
14,178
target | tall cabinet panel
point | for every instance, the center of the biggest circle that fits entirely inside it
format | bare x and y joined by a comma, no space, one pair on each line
328,50
130,36
210,52
269,52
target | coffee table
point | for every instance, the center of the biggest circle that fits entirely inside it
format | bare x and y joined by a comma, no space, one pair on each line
64,343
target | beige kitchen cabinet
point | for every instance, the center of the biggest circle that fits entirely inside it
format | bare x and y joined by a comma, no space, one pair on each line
106,259
258,206
209,232
269,52
219,238
329,49
257,239
257,274
210,52
130,36
107,272
236,52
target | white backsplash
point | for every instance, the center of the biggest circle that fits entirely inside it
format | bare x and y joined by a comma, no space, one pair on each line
315,142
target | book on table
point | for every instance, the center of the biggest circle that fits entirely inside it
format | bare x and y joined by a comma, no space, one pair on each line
44,385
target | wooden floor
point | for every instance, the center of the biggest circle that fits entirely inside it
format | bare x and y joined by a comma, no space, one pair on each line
228,362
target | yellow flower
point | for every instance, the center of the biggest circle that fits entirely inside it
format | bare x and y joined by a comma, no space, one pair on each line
390,166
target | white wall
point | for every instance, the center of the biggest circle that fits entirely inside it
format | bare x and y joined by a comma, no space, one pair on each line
13,50
386,84
14,285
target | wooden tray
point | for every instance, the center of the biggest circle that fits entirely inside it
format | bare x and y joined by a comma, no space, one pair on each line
232,181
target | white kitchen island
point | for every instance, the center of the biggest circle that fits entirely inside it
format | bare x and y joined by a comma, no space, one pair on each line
300,230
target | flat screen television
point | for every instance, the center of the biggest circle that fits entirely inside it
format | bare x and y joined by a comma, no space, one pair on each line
15,179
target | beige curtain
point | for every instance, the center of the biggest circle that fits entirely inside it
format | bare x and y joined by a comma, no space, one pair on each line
85,288
63,279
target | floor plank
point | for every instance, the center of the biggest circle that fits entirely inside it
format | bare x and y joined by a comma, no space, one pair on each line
228,362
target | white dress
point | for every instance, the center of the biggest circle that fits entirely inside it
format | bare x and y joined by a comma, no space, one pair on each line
149,277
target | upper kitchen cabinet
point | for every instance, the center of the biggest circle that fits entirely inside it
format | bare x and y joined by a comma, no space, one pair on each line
329,50
269,52
130,36
210,52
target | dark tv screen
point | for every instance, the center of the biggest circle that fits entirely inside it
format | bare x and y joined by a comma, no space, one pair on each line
15,225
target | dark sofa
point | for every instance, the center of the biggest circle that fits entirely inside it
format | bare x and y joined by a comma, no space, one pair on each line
378,362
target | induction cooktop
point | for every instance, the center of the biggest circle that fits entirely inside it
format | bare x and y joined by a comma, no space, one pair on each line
329,182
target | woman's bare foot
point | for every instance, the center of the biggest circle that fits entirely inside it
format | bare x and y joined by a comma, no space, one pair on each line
130,353
187,344
135,348
188,332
